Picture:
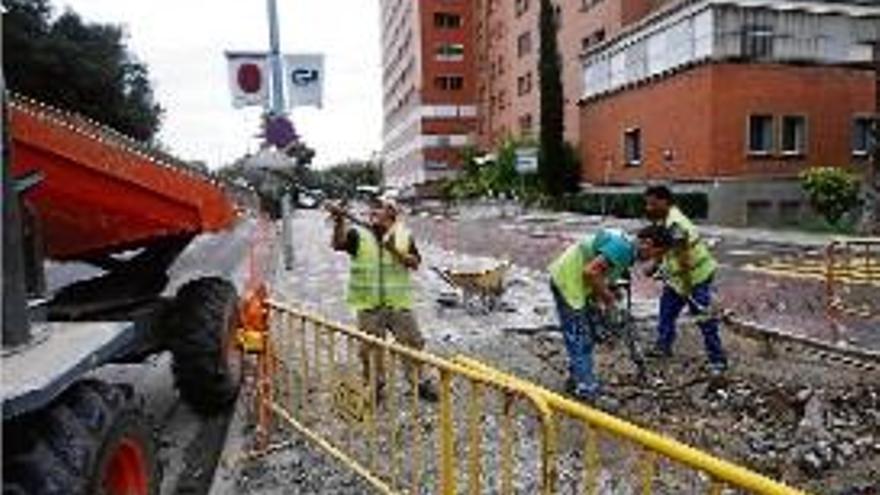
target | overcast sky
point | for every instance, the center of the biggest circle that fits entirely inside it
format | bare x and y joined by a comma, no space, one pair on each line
183,42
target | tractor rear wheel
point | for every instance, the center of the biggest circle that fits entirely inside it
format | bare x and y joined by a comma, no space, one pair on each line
92,439
201,334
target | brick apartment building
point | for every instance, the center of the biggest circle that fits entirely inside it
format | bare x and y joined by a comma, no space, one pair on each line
732,98
508,41
728,97
429,87
465,72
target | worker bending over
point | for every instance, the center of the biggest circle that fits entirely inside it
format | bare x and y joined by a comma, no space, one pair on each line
580,283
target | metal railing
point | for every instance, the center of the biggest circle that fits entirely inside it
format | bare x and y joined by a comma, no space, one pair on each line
488,432
852,278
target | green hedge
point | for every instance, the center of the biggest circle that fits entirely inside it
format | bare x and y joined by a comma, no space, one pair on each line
630,205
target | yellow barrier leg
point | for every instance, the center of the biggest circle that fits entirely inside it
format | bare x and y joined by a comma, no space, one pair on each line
507,439
475,407
649,468
447,436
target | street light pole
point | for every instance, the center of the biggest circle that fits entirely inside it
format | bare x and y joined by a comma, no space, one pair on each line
275,59
277,109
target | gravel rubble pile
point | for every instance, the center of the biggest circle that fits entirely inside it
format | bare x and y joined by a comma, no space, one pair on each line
812,424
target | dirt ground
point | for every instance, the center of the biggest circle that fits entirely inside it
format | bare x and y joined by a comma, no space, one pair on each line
790,415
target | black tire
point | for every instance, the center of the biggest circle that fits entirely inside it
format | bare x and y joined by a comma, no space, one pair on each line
207,363
68,447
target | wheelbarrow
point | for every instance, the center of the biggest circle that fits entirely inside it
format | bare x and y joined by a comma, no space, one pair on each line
479,289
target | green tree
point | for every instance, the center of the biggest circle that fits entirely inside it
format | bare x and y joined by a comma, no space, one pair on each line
832,191
555,167
79,66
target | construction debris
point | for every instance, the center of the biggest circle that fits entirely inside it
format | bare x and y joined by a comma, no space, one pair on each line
794,416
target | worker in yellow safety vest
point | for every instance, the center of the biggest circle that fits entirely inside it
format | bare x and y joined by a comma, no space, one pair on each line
383,253
689,270
580,281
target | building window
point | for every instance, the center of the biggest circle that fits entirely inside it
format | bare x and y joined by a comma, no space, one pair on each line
759,212
524,44
445,20
522,6
526,124
760,134
794,135
588,4
862,140
502,100
524,84
448,83
757,42
597,37
632,147
450,52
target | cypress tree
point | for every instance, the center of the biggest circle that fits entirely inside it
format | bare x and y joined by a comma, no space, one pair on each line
553,161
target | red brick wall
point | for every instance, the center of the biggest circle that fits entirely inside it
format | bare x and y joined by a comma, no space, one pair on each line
701,116
498,41
672,114
432,37
576,25
828,96
448,126
633,10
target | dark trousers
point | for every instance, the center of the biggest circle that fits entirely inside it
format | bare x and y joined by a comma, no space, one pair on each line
671,304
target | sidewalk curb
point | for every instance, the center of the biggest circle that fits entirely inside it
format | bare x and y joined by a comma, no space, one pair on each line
225,475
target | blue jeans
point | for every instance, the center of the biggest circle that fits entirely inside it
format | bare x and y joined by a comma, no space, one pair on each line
577,331
671,304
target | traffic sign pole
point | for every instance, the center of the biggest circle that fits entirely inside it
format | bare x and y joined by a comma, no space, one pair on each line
275,59
276,111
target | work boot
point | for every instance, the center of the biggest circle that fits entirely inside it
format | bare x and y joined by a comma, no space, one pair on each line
717,371
581,391
594,398
604,403
427,392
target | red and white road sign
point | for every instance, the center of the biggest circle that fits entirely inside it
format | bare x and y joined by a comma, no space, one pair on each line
248,78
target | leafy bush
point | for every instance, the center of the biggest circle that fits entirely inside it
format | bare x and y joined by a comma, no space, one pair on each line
832,191
491,179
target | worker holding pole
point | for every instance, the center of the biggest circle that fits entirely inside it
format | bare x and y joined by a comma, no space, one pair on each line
689,270
383,253
580,283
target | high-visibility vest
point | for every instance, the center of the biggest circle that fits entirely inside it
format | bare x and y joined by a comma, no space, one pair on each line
376,278
567,270
703,265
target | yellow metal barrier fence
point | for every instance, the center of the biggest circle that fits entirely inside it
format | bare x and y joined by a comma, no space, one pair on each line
489,432
852,277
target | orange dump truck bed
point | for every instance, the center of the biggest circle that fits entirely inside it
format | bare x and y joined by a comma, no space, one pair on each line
102,192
